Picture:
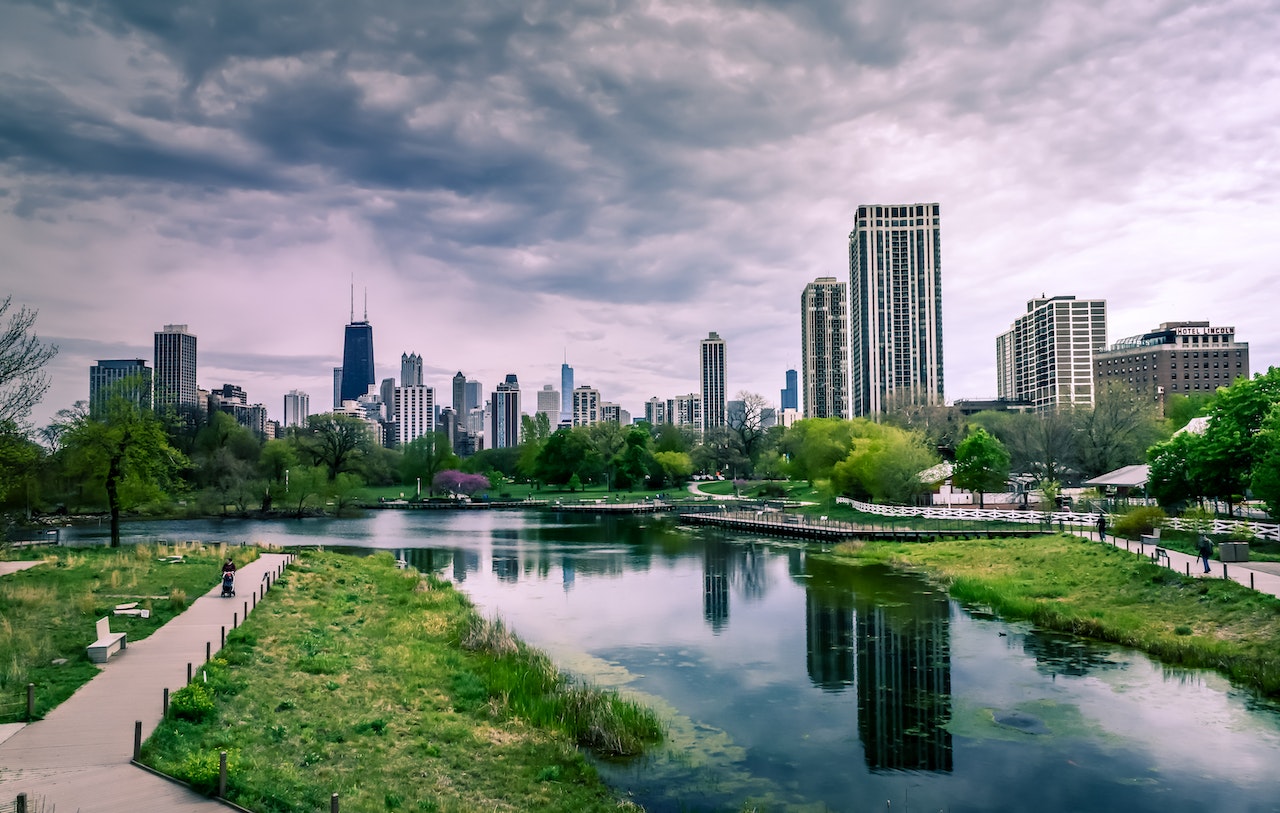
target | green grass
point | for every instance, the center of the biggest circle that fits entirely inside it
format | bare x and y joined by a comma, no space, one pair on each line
1086,588
386,687
48,613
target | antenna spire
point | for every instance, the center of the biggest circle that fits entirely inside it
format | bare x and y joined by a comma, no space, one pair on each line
353,297
366,304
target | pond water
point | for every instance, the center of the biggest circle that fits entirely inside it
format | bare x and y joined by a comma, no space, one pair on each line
790,682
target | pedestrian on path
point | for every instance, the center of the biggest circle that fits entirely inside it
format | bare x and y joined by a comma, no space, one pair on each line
1102,527
1206,550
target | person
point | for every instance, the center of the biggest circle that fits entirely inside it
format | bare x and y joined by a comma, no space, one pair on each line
1206,550
229,569
1102,527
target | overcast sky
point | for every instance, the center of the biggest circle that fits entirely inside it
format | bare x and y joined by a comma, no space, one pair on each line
612,180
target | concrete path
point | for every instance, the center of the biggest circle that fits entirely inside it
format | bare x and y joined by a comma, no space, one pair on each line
13,567
78,757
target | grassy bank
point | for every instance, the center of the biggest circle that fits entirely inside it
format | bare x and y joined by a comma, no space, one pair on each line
1062,583
387,688
47,613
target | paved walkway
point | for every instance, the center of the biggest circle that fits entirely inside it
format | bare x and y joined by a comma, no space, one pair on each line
78,757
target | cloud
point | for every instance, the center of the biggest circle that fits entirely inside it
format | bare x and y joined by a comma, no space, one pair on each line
506,179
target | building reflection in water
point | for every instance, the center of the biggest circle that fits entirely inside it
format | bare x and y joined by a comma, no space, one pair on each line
715,583
881,632
506,568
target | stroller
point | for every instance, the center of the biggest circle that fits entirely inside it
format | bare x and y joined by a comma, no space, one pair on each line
228,584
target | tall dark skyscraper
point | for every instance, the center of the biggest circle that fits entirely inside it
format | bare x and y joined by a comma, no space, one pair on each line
791,395
175,367
357,357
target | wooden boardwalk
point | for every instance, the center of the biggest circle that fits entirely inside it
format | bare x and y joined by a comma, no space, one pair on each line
79,757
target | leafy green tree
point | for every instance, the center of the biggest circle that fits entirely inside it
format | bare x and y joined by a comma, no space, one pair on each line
1043,445
334,441
561,456
1175,474
1231,439
884,465
816,445
1265,476
1180,409
127,451
277,457
721,452
23,381
605,442
982,464
305,487
676,467
534,432
668,437
19,459
635,462
425,457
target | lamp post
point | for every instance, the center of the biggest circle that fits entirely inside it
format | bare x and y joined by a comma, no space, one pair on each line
286,481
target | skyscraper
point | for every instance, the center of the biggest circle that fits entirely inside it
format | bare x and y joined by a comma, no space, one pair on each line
711,357
895,308
175,367
824,349
505,415
566,392
791,395
297,406
337,388
460,405
549,403
415,408
128,378
586,406
410,370
1046,357
357,356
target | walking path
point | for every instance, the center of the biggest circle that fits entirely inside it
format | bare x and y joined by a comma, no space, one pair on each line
78,757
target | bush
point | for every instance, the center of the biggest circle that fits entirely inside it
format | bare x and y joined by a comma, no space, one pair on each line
201,768
1142,520
192,702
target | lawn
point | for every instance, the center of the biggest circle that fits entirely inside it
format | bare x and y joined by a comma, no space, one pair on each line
48,612
387,687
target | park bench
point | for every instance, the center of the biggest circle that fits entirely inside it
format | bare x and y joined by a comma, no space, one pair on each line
107,644
1160,556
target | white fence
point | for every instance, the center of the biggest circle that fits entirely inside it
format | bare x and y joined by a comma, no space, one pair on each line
1218,526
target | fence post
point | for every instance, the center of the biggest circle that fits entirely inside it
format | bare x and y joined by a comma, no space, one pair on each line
1224,570
208,651
222,641
222,774
31,702
137,740
333,803
164,706
235,619
188,671
20,804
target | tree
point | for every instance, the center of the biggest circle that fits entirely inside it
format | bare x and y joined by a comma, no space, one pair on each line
23,357
561,456
635,462
1117,431
721,452
335,441
676,466
982,464
425,457
460,483
1265,476
815,445
19,457
1230,449
746,424
884,465
1043,445
1175,474
127,450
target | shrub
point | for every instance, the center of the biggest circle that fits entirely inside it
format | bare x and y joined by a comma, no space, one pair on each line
1141,520
201,769
192,702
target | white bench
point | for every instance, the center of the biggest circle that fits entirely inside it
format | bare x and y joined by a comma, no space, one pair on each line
107,644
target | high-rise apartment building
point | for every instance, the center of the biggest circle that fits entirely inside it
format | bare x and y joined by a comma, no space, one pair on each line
711,360
614,413
791,393
415,408
175,368
566,392
655,411
474,394
586,406
297,407
824,349
1046,357
685,410
357,360
126,378
504,414
549,404
895,308
337,388
410,370
1177,358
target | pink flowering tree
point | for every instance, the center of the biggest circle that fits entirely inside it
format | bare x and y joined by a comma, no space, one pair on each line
460,483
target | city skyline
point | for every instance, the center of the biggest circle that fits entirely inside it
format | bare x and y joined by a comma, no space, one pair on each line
617,183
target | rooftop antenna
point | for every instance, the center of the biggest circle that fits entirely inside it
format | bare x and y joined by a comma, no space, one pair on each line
366,304
353,297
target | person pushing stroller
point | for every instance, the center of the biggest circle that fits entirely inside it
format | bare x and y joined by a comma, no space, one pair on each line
229,578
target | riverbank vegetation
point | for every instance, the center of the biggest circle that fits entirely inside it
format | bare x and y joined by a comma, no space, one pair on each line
48,612
388,688
1063,583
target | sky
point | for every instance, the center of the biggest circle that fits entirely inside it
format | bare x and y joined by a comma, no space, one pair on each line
514,184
